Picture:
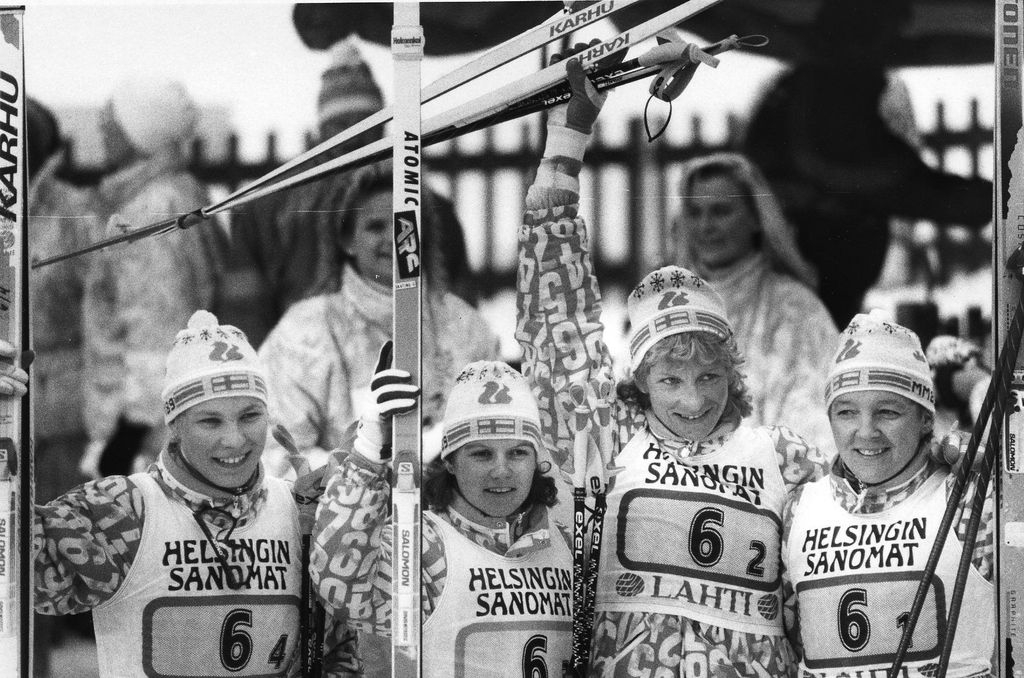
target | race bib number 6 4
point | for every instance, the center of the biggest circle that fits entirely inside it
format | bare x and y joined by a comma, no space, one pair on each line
217,636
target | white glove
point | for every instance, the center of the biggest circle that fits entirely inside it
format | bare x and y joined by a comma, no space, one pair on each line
391,392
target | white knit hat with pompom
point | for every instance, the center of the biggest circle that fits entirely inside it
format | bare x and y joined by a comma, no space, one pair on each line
210,361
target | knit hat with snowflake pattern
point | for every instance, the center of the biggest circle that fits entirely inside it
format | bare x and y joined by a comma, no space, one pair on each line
490,401
876,354
672,300
209,361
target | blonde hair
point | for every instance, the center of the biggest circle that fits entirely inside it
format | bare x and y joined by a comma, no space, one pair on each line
703,348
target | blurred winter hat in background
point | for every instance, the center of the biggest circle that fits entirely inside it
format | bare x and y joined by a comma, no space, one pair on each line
348,92
154,112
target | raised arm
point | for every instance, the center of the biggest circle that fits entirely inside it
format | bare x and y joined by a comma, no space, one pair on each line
350,562
558,299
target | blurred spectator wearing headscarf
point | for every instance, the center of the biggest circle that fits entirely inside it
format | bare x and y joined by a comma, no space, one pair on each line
732,232
139,295
61,217
283,245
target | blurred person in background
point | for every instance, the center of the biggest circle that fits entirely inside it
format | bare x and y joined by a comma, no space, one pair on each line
320,356
61,217
731,231
136,297
283,245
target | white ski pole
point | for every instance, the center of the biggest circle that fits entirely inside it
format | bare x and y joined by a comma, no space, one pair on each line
16,486
407,282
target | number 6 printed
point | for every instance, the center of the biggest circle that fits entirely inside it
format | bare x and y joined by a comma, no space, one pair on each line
235,642
534,665
854,627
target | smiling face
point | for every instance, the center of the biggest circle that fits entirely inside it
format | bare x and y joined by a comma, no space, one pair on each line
721,220
687,397
223,438
371,237
494,477
878,434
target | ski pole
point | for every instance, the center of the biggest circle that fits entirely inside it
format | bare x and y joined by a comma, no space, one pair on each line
555,28
995,400
407,319
483,111
493,102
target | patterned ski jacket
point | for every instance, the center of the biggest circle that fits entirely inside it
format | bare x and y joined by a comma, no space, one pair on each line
62,218
350,561
127,324
321,355
559,328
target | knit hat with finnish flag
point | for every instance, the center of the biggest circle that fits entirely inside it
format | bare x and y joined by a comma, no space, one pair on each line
672,300
209,361
876,354
490,401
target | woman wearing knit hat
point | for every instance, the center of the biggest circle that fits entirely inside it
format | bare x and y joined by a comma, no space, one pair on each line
855,543
147,126
688,580
731,232
496,574
197,552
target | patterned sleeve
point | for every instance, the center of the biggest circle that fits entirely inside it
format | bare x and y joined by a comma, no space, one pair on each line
799,462
350,562
790,608
984,546
559,309
84,543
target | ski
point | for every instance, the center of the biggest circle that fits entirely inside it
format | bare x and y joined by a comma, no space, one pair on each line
489,109
1007,237
558,26
16,479
489,104
407,282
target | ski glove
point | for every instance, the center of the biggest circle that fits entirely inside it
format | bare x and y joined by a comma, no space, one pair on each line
585,104
391,392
